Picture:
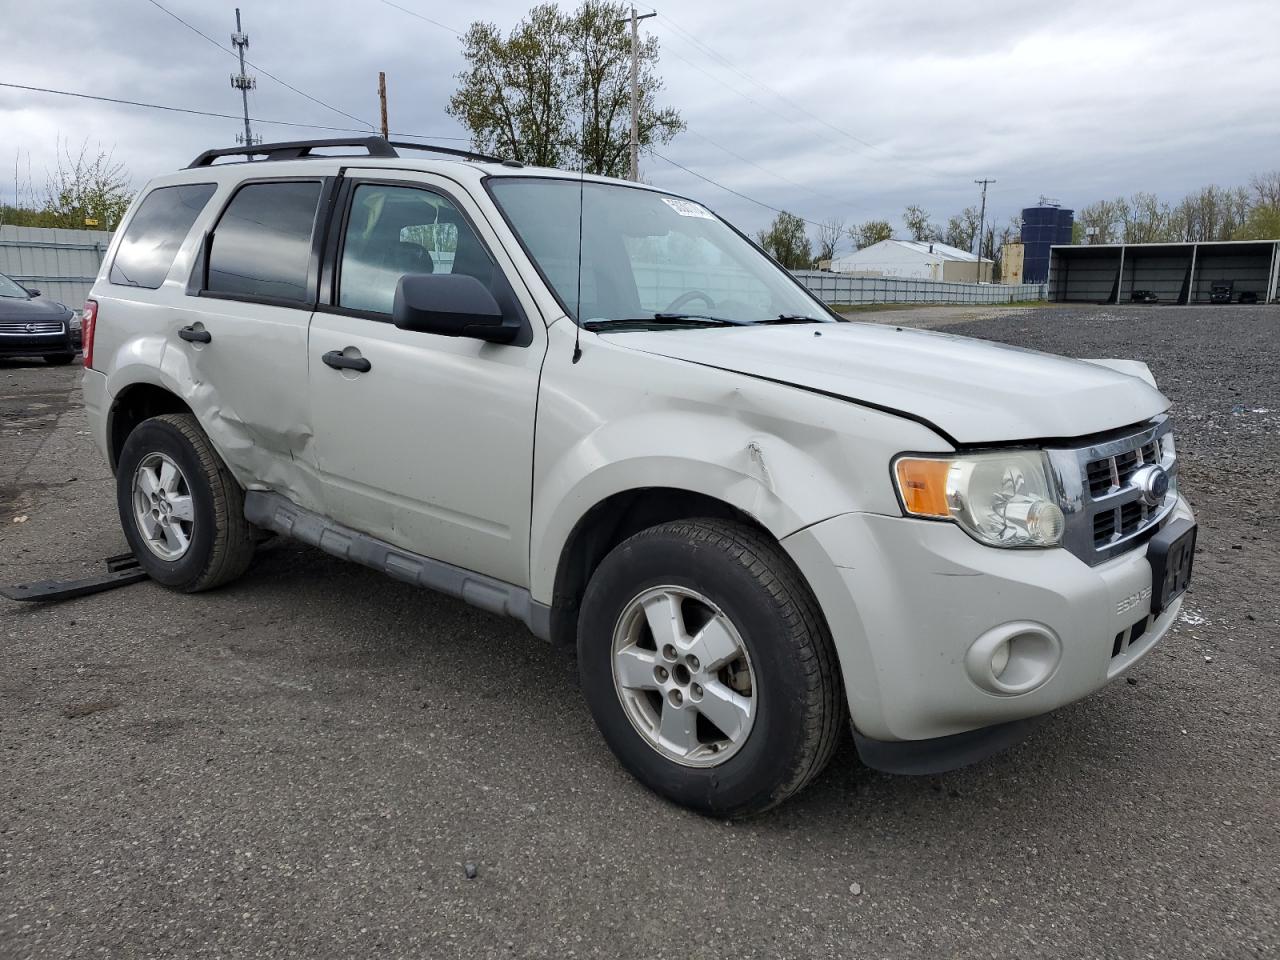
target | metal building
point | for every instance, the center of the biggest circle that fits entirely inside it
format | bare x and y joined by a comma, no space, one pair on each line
1174,272
916,260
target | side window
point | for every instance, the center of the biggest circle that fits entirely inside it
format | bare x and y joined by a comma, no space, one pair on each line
262,244
395,230
155,233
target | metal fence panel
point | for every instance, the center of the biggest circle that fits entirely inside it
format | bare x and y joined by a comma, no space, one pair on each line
843,288
62,264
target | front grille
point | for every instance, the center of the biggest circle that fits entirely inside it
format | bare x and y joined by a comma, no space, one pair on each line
1112,473
1106,511
23,328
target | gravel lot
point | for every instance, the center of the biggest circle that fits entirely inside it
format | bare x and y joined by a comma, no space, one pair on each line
301,764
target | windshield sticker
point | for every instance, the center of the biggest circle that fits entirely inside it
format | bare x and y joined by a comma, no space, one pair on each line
687,208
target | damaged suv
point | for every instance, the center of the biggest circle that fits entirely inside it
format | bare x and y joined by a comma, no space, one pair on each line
599,408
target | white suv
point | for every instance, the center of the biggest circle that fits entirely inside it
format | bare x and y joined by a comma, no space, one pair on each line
599,408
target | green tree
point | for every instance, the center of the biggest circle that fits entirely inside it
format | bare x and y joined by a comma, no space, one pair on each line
558,88
1261,223
871,231
86,185
787,242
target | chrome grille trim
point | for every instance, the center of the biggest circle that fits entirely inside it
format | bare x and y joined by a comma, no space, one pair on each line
1104,522
18,328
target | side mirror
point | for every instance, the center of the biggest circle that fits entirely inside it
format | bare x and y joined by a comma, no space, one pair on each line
451,305
33,291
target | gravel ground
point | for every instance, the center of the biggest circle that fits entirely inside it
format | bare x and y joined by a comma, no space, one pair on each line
301,764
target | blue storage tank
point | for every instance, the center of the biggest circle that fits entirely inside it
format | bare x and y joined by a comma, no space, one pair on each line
1042,227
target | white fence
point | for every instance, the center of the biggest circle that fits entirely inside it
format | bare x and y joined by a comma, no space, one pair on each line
842,288
61,264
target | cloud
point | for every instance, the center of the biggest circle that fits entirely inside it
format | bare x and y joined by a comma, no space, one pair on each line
850,110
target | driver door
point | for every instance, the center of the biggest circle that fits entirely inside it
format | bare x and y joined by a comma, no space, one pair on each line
431,447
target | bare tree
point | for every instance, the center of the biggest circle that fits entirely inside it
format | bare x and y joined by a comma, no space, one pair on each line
962,229
918,225
1266,189
1103,217
830,233
1145,218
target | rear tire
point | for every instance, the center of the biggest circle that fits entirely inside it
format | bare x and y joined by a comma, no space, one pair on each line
181,510
731,582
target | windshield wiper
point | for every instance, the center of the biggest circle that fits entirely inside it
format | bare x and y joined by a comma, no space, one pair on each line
793,318
665,319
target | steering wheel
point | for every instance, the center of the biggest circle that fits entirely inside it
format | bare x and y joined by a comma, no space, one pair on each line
687,298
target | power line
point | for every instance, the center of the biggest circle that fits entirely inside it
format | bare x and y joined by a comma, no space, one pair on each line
414,13
765,87
255,66
210,113
723,61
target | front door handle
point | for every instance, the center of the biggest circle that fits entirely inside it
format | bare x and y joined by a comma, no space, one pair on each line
340,361
192,335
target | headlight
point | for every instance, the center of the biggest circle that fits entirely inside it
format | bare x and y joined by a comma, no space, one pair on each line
73,322
1001,499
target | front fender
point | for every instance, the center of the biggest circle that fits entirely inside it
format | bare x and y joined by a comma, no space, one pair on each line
622,420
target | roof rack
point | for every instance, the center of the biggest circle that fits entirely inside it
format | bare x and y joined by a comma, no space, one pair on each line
301,149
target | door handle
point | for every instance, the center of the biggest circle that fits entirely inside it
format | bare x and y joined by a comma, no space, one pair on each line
192,335
339,361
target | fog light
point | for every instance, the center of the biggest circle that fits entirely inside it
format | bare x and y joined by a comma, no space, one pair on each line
1013,658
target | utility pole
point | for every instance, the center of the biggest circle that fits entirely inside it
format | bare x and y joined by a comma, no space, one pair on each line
244,83
982,223
635,90
382,100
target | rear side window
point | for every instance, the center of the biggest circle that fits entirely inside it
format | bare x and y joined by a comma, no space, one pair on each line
155,233
261,246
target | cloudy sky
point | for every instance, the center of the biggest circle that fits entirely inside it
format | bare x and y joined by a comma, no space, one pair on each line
849,110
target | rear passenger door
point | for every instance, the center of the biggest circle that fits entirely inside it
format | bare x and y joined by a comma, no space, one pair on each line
431,447
243,332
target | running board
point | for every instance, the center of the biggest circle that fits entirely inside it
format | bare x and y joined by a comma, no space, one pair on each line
271,511
122,570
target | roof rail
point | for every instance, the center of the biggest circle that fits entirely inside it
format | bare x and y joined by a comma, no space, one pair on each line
301,149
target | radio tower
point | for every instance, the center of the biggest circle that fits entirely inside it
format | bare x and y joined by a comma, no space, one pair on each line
244,83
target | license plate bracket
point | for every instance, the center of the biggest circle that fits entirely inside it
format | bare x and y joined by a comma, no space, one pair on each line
1171,553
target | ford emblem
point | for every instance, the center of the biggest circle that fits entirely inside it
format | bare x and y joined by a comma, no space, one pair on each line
1153,483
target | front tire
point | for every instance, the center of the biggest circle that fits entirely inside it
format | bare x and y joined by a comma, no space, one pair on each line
709,668
181,510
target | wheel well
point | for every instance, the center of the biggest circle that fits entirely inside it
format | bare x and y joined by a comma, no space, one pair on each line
610,522
133,405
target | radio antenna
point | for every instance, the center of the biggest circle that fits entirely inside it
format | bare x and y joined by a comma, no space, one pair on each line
582,177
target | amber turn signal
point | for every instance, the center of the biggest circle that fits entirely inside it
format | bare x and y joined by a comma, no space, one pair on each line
923,485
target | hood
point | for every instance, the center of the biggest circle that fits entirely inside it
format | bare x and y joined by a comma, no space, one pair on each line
972,391
40,308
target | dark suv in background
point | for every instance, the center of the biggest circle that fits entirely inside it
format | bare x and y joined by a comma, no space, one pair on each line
32,326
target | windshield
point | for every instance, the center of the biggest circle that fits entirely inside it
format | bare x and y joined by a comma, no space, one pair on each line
645,253
8,288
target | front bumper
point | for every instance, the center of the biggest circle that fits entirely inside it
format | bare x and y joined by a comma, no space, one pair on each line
906,600
38,344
